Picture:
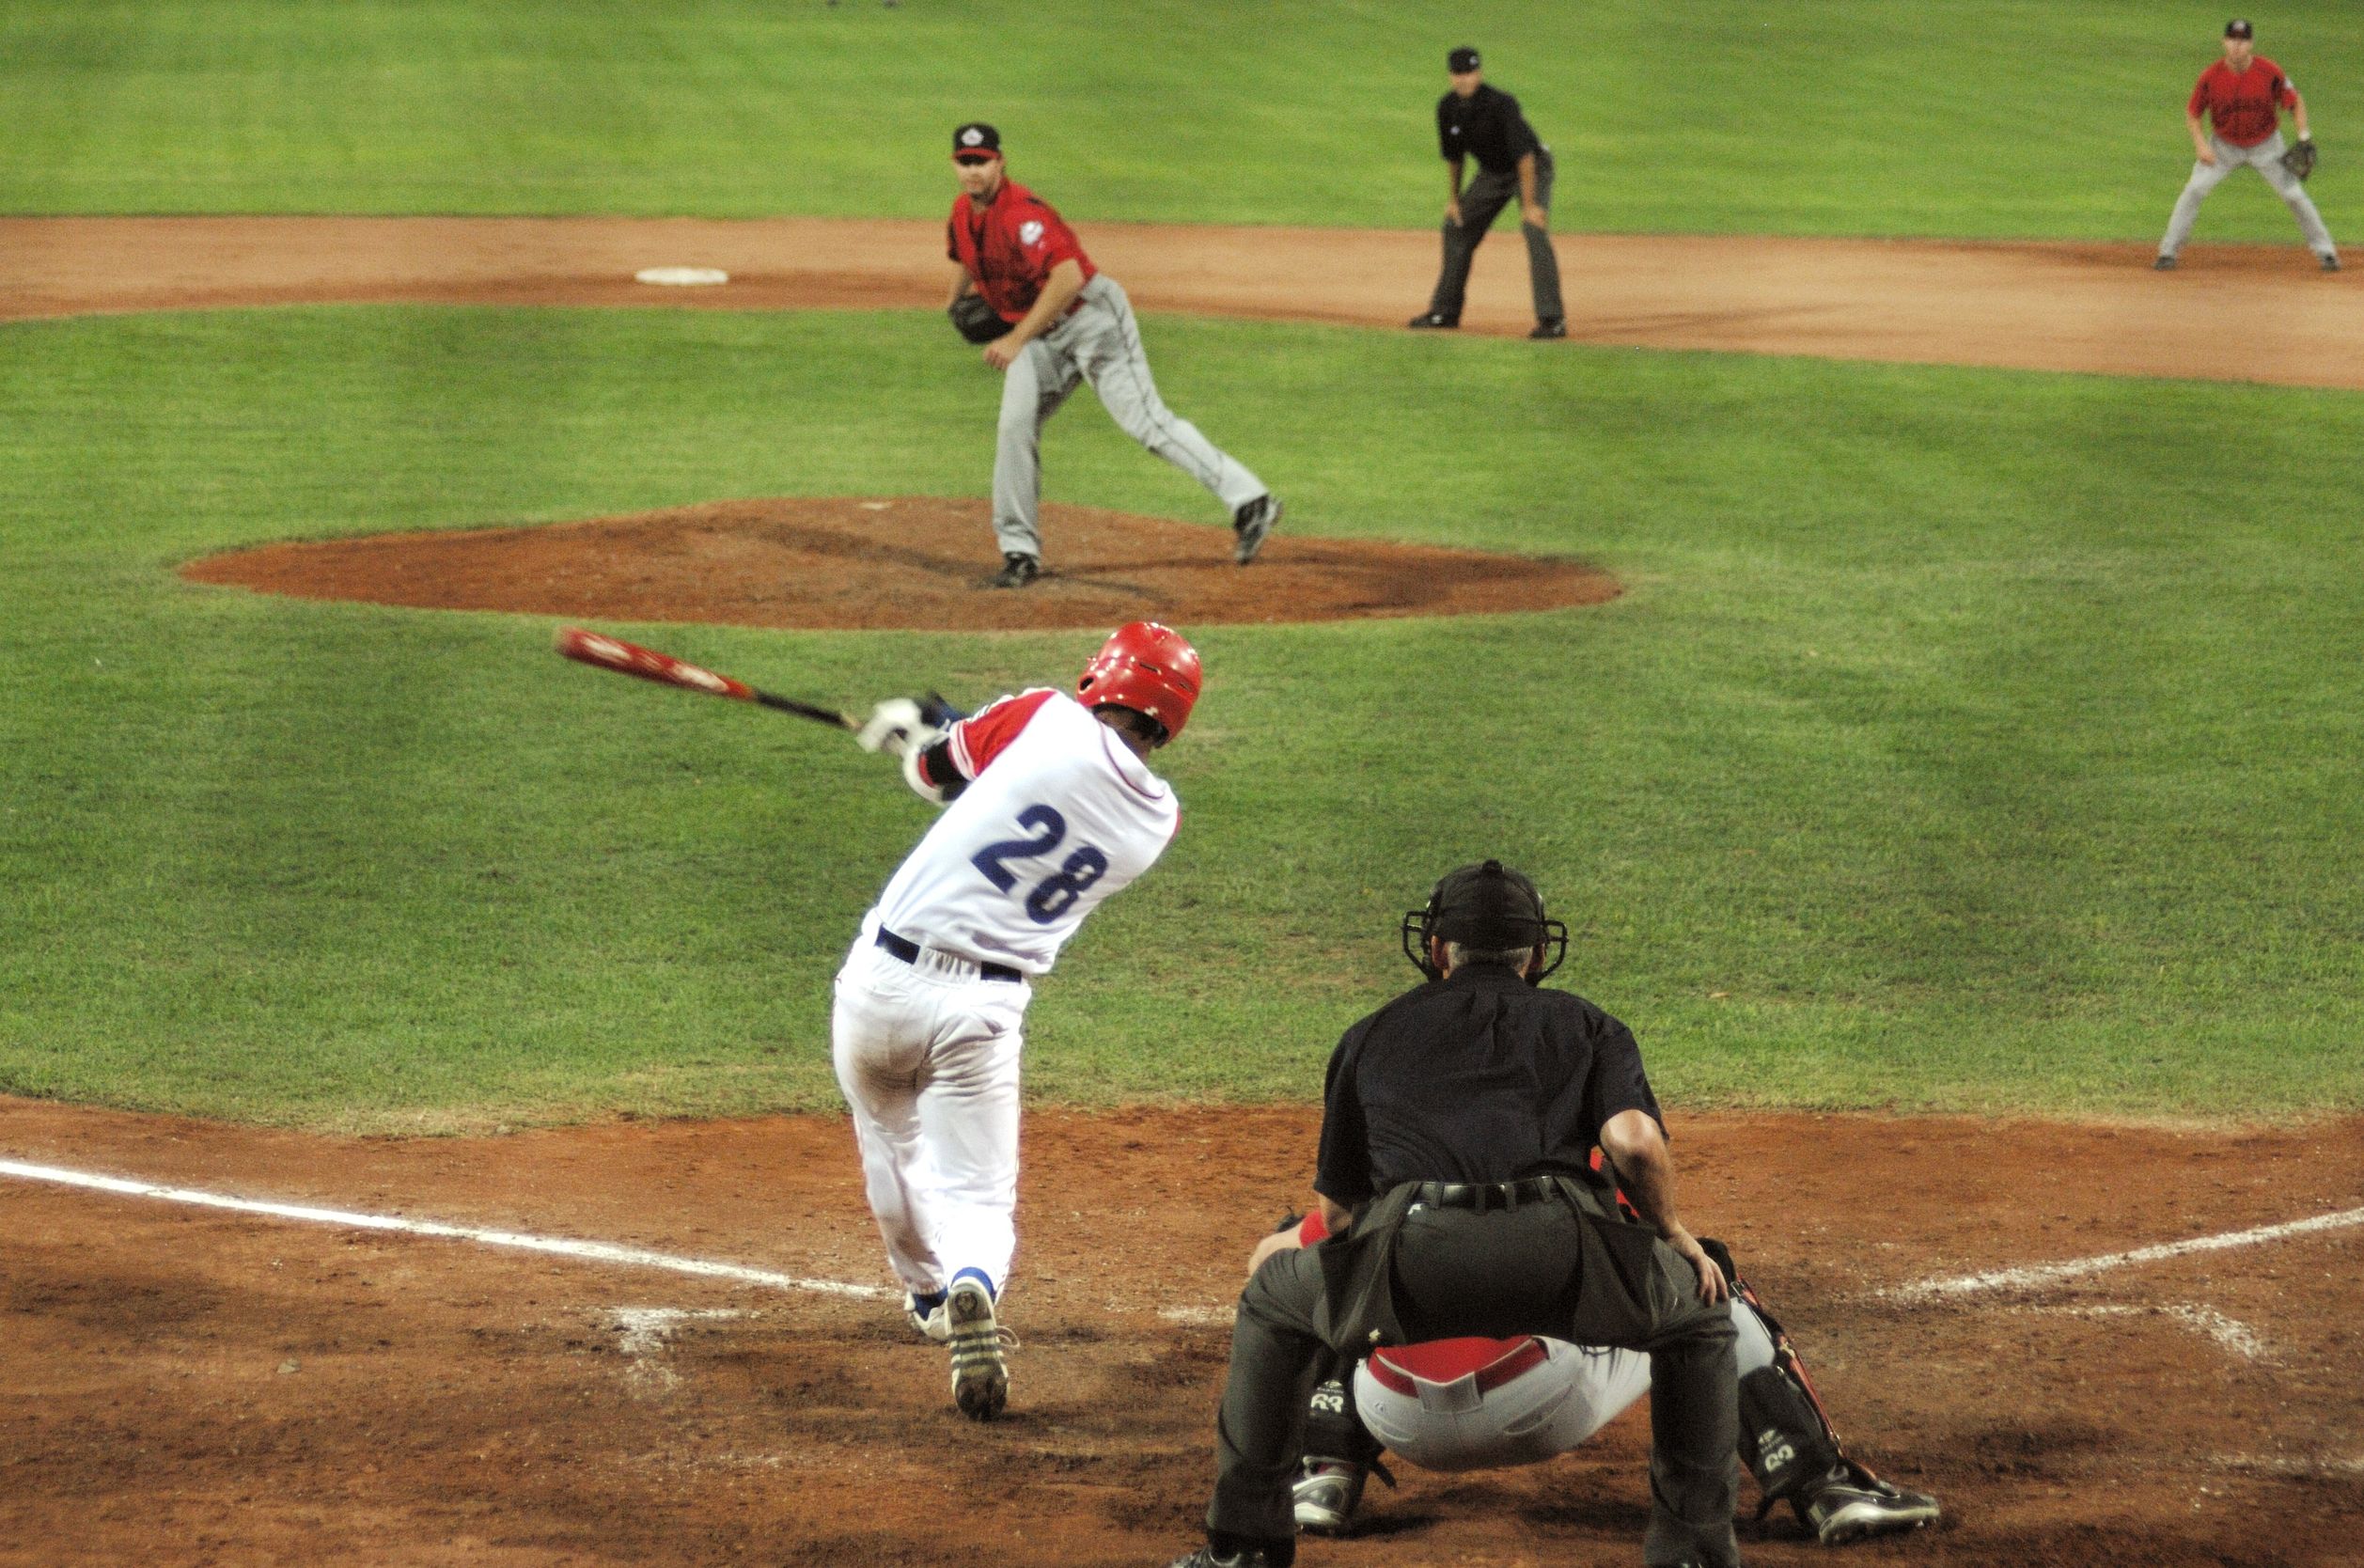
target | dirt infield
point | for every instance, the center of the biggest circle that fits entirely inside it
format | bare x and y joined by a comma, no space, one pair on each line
2232,312
186,1386
910,561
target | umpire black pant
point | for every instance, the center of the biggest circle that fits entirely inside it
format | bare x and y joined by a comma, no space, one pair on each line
1497,1273
1481,204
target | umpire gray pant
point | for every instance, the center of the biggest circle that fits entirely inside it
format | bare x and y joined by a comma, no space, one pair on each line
1481,204
1100,342
1497,1275
2267,158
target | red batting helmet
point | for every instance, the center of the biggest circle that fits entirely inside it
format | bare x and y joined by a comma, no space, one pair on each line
1147,668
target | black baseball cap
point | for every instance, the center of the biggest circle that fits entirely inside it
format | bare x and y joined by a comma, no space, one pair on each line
2238,28
1487,906
1464,58
976,141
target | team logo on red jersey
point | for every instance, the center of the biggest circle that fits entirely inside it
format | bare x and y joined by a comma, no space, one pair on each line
1031,232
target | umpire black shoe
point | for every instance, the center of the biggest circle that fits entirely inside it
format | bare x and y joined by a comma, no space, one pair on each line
1251,523
2330,263
1852,1504
1238,1557
1017,570
1553,328
1431,321
2163,264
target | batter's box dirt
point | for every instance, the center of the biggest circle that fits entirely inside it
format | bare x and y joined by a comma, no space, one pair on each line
912,562
182,1385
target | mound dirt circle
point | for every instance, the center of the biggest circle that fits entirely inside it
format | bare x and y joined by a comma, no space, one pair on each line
911,562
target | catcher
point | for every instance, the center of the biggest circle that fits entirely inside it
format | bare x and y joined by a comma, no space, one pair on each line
1475,1404
2243,96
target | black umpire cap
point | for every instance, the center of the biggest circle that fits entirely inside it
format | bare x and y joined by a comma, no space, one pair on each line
1487,906
976,140
1464,58
2238,28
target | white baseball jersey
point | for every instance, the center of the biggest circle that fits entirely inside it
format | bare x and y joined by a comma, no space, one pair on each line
1060,814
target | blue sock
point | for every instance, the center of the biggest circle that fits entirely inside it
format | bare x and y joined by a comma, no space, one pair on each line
981,1277
924,1302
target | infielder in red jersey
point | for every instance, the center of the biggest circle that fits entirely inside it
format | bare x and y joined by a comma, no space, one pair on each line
1050,808
1070,322
2241,98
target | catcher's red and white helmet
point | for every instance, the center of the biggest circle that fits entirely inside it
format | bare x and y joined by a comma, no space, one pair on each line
1147,668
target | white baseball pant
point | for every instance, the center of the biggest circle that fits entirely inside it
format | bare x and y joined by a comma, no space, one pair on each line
2267,158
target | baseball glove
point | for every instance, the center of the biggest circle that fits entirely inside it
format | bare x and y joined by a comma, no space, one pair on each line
981,322
2300,160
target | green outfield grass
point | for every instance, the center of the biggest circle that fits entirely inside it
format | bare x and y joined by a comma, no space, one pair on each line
1955,747
2011,117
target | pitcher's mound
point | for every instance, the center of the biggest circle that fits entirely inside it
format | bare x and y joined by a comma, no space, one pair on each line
913,562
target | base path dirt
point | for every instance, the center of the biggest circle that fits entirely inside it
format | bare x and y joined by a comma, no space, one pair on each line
914,562
2235,313
186,1386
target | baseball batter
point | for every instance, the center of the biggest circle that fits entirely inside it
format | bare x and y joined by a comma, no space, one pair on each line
1479,1404
1050,807
1070,322
2242,97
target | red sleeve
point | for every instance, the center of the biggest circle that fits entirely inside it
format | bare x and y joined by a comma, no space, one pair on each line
1311,1229
983,736
2284,94
1056,243
951,245
2200,96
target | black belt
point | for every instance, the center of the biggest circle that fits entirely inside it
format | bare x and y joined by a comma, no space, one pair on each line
908,950
1483,1196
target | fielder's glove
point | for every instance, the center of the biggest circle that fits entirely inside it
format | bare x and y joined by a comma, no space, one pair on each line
981,322
2300,160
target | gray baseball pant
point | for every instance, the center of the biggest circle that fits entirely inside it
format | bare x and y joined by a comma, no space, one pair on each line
2267,158
1100,343
1481,204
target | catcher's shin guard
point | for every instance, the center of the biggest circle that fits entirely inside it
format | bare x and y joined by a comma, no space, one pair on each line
1786,1438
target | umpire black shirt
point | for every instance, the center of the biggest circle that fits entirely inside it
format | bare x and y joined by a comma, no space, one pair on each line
1476,1077
1486,126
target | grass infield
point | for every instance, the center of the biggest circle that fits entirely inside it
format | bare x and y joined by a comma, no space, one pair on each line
1958,743
1980,119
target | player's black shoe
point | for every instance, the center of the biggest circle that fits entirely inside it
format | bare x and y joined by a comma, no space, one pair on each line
1252,522
1017,570
1555,327
2330,263
2163,264
1427,321
1852,1504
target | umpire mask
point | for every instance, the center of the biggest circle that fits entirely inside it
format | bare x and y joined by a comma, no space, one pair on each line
1485,906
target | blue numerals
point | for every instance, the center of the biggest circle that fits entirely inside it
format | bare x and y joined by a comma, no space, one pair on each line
1056,893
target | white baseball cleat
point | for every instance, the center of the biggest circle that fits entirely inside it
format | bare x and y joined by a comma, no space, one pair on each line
1251,523
935,1323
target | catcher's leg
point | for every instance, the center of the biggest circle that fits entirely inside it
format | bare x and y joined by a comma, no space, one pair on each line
1789,1445
1032,389
2205,178
2293,194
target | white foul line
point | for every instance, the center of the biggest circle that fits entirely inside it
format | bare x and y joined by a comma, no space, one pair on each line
2047,1274
600,1253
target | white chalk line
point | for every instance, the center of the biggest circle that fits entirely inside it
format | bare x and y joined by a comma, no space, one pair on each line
589,1252
2230,1334
2051,1274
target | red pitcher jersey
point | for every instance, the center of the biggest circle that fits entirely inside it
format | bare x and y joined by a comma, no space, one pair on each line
1011,246
1060,815
2242,104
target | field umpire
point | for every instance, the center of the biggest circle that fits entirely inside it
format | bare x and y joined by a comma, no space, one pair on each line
1475,120
1454,1174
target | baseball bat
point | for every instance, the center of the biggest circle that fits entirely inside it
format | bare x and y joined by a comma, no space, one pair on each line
625,658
